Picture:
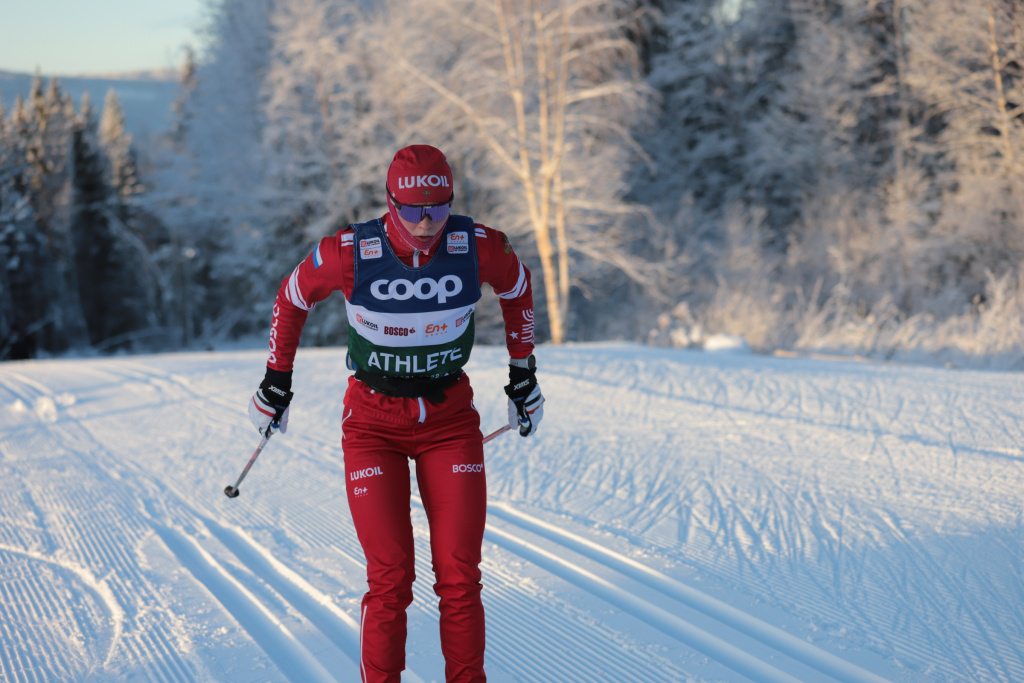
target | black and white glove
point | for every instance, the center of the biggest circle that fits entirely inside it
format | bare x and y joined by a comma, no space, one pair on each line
268,409
525,402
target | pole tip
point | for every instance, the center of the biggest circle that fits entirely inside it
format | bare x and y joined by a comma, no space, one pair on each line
231,491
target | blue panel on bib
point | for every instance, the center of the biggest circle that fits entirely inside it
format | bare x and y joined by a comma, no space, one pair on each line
449,280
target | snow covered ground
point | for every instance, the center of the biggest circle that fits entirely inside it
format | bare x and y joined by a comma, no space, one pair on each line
680,516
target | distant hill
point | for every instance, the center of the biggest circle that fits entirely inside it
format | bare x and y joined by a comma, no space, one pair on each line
145,97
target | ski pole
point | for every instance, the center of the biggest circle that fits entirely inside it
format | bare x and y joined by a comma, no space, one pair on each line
232,491
496,432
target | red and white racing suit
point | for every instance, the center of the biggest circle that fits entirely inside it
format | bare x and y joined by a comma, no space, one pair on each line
381,434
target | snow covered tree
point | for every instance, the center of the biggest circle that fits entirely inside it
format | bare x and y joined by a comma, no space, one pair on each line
329,130
46,128
89,228
325,149
967,59
116,300
207,189
23,304
180,109
536,101
720,68
116,142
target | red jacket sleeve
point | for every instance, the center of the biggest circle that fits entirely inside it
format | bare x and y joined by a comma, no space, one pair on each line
501,268
326,270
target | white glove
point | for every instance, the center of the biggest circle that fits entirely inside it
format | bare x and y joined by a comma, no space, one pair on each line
525,402
526,414
269,407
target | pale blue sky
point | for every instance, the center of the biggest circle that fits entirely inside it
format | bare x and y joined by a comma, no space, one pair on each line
89,37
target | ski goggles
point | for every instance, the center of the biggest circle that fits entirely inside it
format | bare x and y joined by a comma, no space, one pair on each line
414,214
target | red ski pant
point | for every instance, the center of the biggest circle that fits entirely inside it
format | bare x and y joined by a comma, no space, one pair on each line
380,436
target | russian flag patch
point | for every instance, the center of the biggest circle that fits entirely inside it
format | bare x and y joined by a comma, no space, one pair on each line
318,260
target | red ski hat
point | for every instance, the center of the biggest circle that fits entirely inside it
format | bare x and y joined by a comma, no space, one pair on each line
420,174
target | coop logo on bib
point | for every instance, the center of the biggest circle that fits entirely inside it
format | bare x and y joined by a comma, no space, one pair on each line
423,289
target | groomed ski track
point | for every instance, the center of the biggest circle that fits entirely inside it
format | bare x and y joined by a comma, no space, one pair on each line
668,526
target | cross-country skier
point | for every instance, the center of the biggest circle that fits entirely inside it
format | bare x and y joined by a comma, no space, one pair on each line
411,280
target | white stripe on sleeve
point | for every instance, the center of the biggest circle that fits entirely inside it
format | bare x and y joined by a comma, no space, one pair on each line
520,286
294,294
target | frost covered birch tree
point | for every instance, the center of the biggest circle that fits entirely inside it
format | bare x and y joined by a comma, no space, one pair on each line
538,98
967,59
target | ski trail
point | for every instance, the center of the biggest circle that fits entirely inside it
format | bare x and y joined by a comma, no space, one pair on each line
564,642
337,626
33,598
97,586
293,660
331,620
699,639
340,629
101,547
69,490
770,635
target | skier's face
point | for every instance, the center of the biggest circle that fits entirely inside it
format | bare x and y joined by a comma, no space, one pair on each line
425,230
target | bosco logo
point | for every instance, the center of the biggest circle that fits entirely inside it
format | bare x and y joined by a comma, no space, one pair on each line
424,288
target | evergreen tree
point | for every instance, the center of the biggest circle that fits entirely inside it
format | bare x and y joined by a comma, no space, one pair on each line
181,110
94,251
115,299
20,247
116,142
46,130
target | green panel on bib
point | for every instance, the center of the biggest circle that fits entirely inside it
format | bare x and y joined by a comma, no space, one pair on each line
429,361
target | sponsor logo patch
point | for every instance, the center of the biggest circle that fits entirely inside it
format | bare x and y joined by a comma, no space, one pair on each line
459,469
370,248
366,323
458,243
464,319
